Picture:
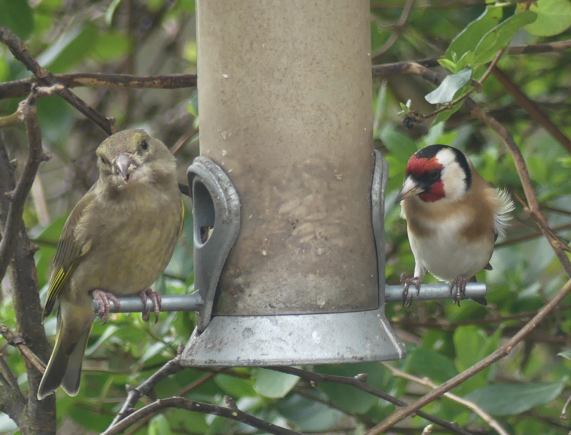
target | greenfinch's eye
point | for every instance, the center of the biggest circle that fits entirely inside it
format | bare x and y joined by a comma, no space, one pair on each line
144,146
103,160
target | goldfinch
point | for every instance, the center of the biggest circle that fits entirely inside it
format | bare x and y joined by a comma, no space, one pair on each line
116,241
453,218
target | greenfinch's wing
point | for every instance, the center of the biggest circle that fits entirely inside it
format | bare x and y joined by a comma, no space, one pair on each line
69,252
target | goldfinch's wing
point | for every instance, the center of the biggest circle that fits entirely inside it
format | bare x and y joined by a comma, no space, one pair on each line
69,252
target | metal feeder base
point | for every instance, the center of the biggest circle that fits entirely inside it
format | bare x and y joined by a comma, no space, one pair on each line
293,339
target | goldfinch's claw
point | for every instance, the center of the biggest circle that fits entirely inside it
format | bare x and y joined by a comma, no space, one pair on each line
104,300
155,298
407,281
458,289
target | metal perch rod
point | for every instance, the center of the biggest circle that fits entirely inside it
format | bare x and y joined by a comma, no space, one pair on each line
193,302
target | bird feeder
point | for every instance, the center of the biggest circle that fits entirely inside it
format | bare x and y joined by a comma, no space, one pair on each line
288,195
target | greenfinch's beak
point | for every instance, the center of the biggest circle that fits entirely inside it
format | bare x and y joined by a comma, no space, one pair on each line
409,188
123,164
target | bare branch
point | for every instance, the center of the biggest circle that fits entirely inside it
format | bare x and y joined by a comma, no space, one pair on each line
532,108
18,88
467,403
145,389
20,52
18,196
361,384
18,342
206,408
12,402
498,354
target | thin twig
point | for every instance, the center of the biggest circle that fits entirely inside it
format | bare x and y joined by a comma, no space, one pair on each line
206,408
20,52
467,403
18,342
498,354
21,87
532,108
19,194
397,29
172,366
358,383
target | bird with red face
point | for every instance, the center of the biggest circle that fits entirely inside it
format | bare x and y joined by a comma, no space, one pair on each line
453,218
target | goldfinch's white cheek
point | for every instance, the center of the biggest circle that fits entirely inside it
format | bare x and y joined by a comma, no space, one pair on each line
453,178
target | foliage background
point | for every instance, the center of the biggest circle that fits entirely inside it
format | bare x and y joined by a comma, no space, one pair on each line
525,392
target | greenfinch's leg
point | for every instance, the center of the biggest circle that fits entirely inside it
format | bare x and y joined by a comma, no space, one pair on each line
153,296
104,300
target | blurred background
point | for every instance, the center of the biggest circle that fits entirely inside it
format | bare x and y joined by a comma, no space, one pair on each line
525,392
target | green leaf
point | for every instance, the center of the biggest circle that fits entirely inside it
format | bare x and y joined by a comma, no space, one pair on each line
498,37
234,386
450,85
426,362
512,399
159,425
308,415
468,38
553,17
346,397
17,16
111,46
70,49
469,342
272,384
110,11
400,145
565,354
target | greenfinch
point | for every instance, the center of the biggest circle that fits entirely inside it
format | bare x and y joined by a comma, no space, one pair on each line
116,241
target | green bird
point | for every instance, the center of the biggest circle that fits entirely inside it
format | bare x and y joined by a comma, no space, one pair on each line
117,240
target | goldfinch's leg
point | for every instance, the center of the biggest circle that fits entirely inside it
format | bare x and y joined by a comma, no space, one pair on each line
407,281
458,289
104,300
153,296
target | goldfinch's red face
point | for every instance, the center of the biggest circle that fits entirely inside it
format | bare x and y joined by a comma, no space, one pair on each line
437,172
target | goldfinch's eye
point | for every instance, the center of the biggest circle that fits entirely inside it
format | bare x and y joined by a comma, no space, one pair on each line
144,145
433,175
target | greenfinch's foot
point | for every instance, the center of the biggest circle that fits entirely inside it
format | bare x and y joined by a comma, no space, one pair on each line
458,289
407,281
104,300
155,298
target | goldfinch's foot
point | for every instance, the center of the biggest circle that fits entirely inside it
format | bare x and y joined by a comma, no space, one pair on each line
407,281
458,289
155,298
104,300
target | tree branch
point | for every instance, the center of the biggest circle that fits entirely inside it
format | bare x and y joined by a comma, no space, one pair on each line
19,343
145,389
18,195
12,402
205,408
361,384
17,88
498,354
468,404
20,52
532,108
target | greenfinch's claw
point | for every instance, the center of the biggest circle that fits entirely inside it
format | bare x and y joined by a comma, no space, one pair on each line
104,300
156,300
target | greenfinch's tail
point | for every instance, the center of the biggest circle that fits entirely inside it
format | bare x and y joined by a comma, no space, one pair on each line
64,366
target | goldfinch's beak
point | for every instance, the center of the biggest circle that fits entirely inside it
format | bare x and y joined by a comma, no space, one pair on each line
409,188
124,165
